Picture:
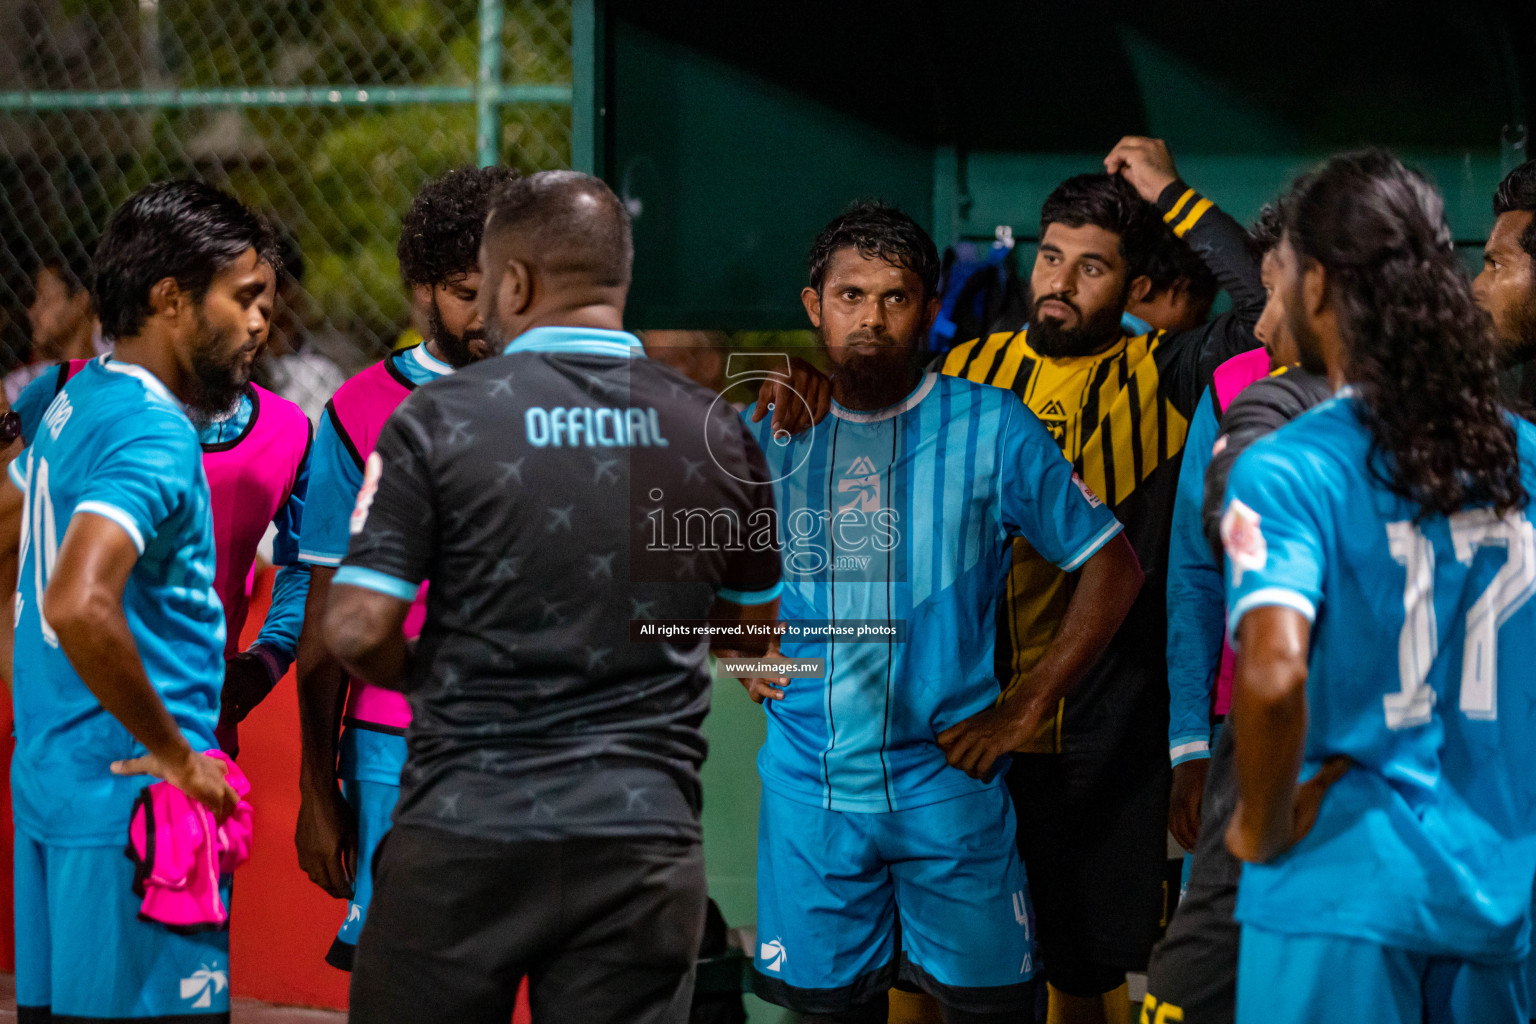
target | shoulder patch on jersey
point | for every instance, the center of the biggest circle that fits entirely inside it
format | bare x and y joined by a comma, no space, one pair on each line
1243,540
373,470
1094,501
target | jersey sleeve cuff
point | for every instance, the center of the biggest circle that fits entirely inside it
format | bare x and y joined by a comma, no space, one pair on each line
1182,207
1091,548
17,476
372,579
276,664
118,516
322,560
1282,597
745,597
1188,749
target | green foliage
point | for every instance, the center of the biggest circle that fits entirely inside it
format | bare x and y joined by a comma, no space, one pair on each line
338,179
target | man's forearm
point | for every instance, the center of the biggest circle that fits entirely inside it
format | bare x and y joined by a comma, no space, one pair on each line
385,661
363,630
322,688
277,643
1106,589
1269,719
1220,242
8,573
100,646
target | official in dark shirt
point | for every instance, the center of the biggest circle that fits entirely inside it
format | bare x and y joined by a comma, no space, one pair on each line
548,816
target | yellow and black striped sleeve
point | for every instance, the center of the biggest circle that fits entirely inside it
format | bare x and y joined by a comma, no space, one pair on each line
986,360
1189,358
1219,241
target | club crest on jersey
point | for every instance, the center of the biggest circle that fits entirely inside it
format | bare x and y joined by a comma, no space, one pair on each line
1243,540
1094,501
372,471
863,482
1053,416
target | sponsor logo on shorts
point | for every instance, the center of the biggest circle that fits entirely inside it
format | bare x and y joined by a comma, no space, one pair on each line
1021,908
203,985
772,955
1154,1012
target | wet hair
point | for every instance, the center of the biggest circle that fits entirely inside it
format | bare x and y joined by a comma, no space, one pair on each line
1517,192
1172,260
877,231
1264,233
570,222
440,233
1107,201
291,255
186,230
1417,348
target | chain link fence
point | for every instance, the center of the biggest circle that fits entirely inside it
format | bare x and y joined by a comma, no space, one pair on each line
326,114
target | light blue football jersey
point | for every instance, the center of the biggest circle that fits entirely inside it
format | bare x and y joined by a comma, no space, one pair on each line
114,443
905,516
1422,670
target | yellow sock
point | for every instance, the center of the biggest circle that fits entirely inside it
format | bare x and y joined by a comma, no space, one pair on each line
1117,1005
1109,1008
913,1008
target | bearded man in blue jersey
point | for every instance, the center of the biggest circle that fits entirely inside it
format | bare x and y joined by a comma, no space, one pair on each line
1382,563
882,781
119,633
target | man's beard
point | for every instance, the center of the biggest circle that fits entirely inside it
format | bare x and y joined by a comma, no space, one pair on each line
878,379
452,347
1517,336
1308,345
219,379
1051,339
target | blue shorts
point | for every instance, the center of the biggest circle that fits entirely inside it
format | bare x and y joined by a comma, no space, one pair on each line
831,886
82,951
374,803
1301,979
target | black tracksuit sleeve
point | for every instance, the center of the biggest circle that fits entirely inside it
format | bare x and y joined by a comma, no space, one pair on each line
1222,244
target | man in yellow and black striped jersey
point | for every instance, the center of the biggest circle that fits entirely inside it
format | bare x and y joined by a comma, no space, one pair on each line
1092,792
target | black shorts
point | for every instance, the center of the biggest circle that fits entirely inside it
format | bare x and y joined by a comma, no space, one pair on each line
1194,968
606,930
1093,838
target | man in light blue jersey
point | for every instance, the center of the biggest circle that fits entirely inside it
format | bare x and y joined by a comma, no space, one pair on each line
349,779
1381,567
256,457
119,631
882,781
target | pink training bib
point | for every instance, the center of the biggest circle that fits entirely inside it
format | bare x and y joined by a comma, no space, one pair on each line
250,479
1226,383
362,406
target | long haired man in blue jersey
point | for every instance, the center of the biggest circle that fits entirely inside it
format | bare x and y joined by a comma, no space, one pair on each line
1382,563
119,644
882,780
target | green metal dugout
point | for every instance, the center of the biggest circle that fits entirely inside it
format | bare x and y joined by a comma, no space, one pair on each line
736,130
